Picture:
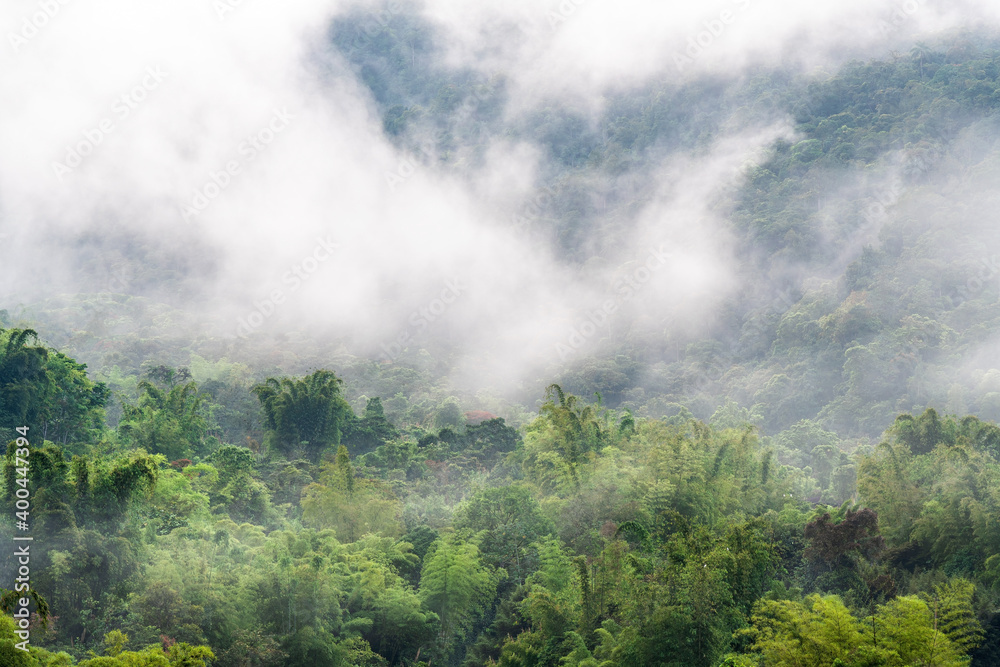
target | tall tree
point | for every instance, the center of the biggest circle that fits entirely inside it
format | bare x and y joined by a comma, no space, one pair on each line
455,585
166,421
352,507
305,415
46,389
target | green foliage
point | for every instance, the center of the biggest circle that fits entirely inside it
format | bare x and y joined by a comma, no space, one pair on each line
370,431
954,613
822,631
166,421
506,520
47,390
455,585
350,506
597,535
836,547
600,539
9,601
937,505
561,439
235,490
305,415
178,655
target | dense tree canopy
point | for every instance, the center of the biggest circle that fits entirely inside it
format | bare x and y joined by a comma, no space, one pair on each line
589,537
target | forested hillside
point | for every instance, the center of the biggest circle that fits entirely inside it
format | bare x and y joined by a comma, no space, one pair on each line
868,242
792,462
327,536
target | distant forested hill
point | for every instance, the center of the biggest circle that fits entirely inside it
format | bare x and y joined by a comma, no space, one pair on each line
866,246
869,245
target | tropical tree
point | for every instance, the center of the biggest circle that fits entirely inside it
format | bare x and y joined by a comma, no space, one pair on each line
455,585
821,631
46,389
22,374
507,519
305,415
166,421
563,437
352,507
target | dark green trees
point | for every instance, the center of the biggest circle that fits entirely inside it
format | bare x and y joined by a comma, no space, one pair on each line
370,431
303,416
46,390
22,371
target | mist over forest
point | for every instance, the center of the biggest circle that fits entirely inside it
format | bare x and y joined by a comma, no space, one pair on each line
517,333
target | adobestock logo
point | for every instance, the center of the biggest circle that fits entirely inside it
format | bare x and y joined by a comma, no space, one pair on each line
122,108
704,39
408,166
296,276
563,12
626,287
989,270
900,14
422,318
535,208
32,25
248,150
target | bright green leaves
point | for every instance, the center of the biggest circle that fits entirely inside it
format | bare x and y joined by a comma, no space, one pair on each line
952,607
183,655
456,586
563,438
352,507
178,655
646,604
821,630
508,519
940,505
236,491
114,642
